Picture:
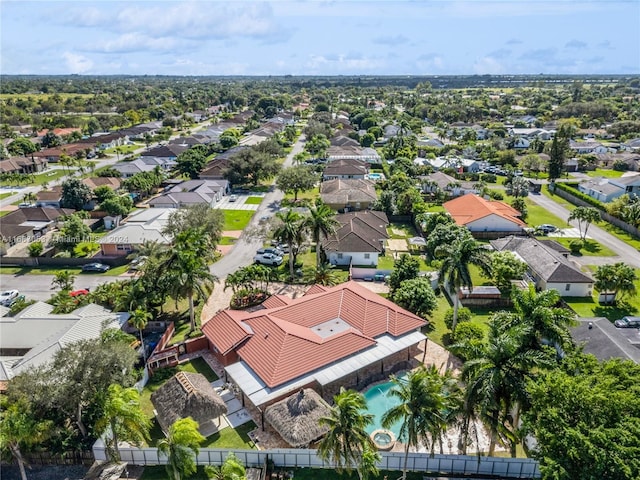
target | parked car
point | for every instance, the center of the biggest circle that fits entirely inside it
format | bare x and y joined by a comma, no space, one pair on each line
628,322
137,263
546,228
95,267
272,250
268,259
233,198
82,291
9,297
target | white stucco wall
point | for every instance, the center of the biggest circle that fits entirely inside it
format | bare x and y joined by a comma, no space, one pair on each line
356,258
493,223
575,289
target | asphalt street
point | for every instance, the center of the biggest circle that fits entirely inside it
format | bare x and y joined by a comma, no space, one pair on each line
38,287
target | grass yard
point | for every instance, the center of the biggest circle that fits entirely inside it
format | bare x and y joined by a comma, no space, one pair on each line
40,178
308,195
539,215
124,149
253,200
227,241
6,194
605,173
591,248
386,263
407,230
236,219
4,212
45,270
233,438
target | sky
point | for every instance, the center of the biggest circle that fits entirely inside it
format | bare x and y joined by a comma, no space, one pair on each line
320,37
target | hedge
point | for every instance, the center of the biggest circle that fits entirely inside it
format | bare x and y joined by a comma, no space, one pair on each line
572,189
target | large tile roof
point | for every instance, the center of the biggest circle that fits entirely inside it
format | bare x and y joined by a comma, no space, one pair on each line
471,207
283,343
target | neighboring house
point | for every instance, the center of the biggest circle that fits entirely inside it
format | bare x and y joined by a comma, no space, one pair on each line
143,225
521,143
353,152
348,195
23,165
458,164
49,198
587,147
139,165
345,169
32,337
631,160
169,151
27,224
344,141
103,141
191,192
531,133
71,149
439,181
329,338
95,182
480,215
549,265
359,240
607,189
215,169
632,145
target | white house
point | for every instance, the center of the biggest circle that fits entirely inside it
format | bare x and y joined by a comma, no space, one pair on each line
480,215
607,189
549,266
359,240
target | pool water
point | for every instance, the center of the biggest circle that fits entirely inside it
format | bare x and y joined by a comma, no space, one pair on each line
378,402
375,176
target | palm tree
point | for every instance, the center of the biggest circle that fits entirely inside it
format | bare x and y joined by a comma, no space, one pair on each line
289,232
147,249
454,271
422,403
139,319
187,266
496,379
547,323
19,429
63,280
181,445
231,469
322,223
347,439
123,415
325,274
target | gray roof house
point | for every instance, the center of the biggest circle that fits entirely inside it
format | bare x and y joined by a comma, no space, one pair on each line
192,192
345,169
33,336
146,164
446,183
143,225
607,189
549,265
348,194
359,239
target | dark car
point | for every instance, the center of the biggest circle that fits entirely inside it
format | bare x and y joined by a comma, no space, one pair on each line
628,322
95,267
546,228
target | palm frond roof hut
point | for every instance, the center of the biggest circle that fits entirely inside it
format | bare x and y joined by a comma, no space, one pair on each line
296,418
184,395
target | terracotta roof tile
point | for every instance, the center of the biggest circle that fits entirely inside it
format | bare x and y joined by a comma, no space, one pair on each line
469,208
225,331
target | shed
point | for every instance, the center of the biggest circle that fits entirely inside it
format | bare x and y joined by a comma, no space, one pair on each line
296,418
184,395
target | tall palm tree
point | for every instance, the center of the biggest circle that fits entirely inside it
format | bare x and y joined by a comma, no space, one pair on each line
325,274
139,319
231,469
548,324
322,223
289,232
187,266
454,271
124,417
496,379
181,445
347,439
421,408
19,429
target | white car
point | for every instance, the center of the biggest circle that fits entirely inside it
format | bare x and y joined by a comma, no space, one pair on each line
8,297
268,259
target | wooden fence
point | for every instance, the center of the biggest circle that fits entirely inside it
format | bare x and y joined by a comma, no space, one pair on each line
497,467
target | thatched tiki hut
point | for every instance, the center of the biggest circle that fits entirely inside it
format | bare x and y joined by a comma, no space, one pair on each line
296,418
187,395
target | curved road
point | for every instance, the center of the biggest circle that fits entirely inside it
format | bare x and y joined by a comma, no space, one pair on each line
627,253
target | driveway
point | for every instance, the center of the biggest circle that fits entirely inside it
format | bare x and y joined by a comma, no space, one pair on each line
627,253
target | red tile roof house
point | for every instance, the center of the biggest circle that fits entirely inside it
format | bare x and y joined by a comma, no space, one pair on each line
342,336
484,217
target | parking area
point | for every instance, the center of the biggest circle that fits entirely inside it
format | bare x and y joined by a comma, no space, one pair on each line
238,202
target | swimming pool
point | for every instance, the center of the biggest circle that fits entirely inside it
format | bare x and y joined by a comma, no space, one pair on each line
378,402
375,176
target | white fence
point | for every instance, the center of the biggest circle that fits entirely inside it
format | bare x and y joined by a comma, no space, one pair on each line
438,464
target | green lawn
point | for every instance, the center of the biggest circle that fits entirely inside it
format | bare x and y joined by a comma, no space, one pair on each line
606,173
308,195
6,194
45,270
253,200
407,230
386,263
538,215
227,241
591,248
4,212
124,149
234,438
236,219
41,178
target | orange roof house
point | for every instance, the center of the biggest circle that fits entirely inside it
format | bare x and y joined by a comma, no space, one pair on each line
480,215
330,337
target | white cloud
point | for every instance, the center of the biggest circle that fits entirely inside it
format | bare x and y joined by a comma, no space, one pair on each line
488,65
342,63
77,63
132,42
429,63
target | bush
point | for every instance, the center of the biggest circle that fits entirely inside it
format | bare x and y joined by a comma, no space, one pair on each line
573,190
248,298
575,246
466,332
496,195
35,249
85,249
464,315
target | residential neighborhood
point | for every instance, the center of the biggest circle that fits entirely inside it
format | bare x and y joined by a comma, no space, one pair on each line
244,269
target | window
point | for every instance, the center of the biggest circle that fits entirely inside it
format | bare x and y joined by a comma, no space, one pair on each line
339,256
367,256
567,287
